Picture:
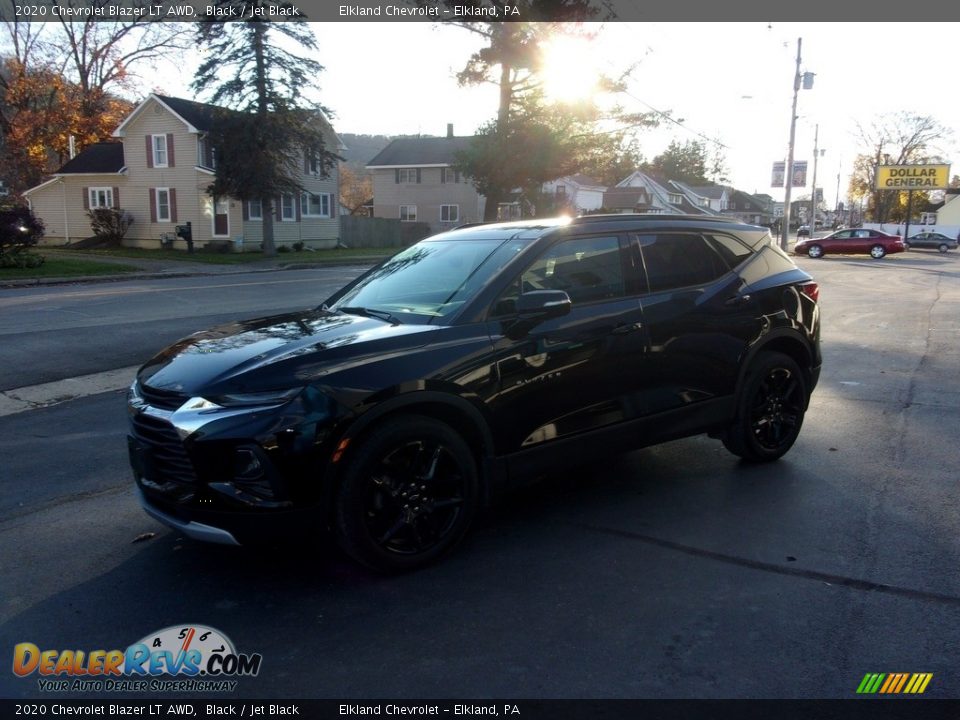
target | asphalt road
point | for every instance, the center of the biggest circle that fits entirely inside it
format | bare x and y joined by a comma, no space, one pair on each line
674,571
57,332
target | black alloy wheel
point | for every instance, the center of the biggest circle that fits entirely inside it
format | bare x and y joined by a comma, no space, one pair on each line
408,495
771,409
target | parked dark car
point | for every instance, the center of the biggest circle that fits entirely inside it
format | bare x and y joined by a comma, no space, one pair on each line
803,231
935,240
853,241
427,387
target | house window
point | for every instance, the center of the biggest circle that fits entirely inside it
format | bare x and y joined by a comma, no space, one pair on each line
408,175
449,175
704,202
101,197
313,162
561,190
408,213
254,210
206,154
288,210
508,211
315,205
450,213
163,205
160,151
675,199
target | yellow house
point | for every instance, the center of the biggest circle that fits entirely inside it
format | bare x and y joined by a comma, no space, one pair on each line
158,170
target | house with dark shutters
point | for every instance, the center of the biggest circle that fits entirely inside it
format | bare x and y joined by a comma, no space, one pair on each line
158,170
414,180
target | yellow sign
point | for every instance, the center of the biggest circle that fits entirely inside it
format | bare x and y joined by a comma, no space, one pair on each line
913,177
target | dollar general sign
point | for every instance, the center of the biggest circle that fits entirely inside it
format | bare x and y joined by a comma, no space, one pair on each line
913,177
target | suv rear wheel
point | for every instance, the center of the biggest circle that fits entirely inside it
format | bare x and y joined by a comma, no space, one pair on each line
408,494
770,410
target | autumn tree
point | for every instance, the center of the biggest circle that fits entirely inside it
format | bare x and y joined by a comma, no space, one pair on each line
356,189
63,79
269,125
895,139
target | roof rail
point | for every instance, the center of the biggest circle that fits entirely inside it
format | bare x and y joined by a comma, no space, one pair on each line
623,217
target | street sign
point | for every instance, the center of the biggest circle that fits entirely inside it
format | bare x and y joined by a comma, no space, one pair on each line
913,177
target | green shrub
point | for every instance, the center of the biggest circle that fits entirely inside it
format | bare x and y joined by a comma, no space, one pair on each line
20,230
110,224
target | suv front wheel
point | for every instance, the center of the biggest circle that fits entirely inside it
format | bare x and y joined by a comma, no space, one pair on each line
770,409
407,496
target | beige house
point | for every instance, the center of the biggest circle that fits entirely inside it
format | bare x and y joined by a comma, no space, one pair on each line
414,181
158,171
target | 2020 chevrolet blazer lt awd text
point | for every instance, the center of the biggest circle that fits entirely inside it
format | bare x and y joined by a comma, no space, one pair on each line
417,393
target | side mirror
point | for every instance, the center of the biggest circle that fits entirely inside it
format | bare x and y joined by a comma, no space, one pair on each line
543,304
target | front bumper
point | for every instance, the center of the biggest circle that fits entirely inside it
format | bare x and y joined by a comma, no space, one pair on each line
190,528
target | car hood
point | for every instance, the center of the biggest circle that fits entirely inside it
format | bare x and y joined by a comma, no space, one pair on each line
274,352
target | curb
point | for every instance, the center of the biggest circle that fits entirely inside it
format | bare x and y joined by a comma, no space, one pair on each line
90,279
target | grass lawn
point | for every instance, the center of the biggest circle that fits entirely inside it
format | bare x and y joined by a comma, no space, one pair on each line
217,258
65,267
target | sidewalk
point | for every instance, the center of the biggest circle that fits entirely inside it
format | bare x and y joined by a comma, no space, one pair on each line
153,269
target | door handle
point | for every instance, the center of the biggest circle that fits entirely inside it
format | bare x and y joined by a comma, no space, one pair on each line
627,328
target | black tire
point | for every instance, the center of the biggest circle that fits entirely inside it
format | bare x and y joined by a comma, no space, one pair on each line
943,247
408,495
770,409
877,252
815,251
906,245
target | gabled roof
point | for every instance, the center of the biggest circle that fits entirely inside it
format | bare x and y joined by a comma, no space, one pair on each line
196,116
104,157
714,192
632,198
421,151
659,195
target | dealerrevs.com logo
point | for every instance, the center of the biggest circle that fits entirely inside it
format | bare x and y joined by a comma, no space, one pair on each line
176,659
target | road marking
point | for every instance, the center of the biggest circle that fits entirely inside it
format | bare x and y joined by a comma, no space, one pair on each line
32,397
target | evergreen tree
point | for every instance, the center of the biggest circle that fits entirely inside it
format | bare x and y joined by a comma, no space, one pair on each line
268,130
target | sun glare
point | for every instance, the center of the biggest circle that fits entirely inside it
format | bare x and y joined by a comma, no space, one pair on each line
568,70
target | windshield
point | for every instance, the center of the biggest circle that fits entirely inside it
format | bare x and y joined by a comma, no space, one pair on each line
429,280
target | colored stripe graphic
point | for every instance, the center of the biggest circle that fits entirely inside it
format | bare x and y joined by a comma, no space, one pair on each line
894,683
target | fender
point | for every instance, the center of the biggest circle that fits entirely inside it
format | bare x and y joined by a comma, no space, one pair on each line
493,472
777,340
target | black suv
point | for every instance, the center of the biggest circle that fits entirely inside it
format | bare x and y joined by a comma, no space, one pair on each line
416,394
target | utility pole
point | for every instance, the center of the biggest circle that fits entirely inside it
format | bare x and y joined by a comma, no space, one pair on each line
813,193
836,202
785,236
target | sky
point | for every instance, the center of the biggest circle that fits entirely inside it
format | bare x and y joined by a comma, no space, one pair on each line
727,81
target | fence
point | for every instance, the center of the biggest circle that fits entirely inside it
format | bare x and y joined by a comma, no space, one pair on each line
360,232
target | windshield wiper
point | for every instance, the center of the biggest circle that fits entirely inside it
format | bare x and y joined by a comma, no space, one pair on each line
371,312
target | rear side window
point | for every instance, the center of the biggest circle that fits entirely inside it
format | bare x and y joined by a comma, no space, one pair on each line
675,260
730,249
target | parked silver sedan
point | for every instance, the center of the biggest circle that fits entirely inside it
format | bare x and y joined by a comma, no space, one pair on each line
935,240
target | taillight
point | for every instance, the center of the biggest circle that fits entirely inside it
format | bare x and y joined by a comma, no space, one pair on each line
811,290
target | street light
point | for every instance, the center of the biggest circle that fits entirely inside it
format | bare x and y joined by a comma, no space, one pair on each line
806,79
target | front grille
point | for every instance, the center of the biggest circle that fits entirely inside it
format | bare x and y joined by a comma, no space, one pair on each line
165,399
167,458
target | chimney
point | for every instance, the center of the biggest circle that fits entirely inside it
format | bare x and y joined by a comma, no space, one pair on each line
449,130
